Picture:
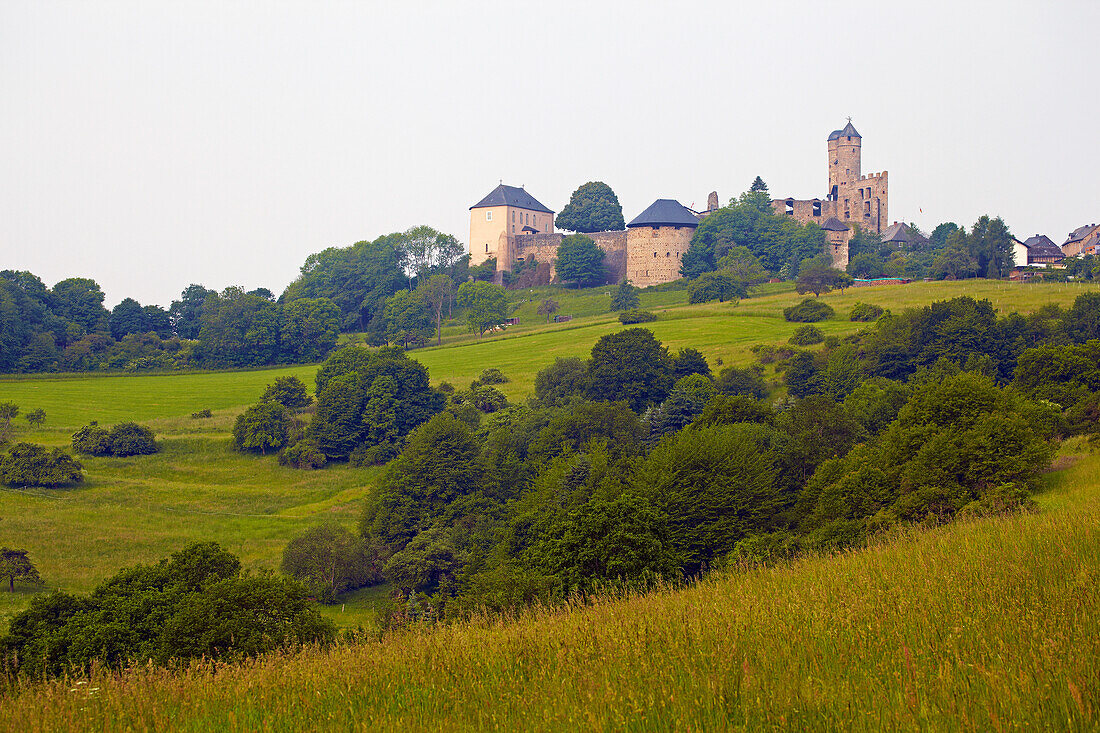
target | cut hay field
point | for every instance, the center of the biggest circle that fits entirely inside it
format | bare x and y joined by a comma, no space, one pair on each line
197,488
988,625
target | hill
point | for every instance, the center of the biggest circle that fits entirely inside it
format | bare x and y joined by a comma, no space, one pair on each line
985,625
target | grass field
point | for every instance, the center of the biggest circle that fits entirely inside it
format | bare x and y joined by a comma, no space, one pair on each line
141,509
989,625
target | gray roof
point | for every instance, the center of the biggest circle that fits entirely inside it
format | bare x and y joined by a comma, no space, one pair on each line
896,233
848,130
511,196
1078,234
665,212
1042,246
832,224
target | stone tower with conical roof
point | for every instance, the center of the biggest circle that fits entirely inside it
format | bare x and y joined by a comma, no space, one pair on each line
844,158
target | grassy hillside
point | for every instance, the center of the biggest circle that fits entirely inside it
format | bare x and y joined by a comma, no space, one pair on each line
986,625
140,509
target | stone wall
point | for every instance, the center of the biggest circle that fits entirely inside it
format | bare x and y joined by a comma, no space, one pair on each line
544,248
654,254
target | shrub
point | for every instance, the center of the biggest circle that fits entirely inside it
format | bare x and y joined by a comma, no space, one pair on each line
201,414
36,417
865,312
289,392
492,375
92,440
130,439
303,454
806,336
487,399
27,464
809,310
720,286
330,560
748,382
636,316
262,426
376,455
559,382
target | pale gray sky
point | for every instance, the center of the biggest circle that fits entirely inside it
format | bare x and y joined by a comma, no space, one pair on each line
150,145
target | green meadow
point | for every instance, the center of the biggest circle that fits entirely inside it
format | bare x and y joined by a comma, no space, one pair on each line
197,488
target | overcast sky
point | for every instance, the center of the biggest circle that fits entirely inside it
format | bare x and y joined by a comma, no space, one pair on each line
150,145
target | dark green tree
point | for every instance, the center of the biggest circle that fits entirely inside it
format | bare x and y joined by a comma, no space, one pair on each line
127,317
15,565
720,286
330,560
547,307
80,301
560,382
36,417
630,365
407,318
186,313
990,244
593,207
262,426
817,275
27,464
758,185
437,293
625,297
743,266
308,329
130,439
580,261
290,392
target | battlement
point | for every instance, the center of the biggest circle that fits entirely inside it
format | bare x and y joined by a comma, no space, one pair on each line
873,176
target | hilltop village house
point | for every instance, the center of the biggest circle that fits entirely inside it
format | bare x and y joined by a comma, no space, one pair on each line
512,226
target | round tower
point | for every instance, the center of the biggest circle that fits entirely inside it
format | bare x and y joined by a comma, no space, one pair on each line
844,158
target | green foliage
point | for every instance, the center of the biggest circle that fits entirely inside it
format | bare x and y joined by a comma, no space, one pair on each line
865,312
806,336
593,207
744,266
16,565
486,305
239,329
130,439
866,265
990,244
408,319
625,297
630,317
548,307
262,426
303,454
688,398
817,276
193,605
689,361
747,382
36,417
809,310
329,560
492,375
561,381
290,392
308,329
731,409
580,261
630,365
720,286
954,261
715,485
27,464
1083,319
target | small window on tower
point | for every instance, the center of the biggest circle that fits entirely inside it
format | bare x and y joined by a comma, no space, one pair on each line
488,216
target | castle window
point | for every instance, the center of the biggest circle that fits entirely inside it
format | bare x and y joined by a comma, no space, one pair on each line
655,235
486,246
668,254
654,254
513,216
817,208
790,207
488,216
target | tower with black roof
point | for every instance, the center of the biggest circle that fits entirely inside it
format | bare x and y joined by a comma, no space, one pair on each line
656,241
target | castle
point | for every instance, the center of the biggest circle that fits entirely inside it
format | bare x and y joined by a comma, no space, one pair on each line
513,227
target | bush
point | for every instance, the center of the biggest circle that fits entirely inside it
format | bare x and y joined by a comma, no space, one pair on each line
27,464
720,286
806,336
492,375
330,560
304,455
561,381
122,440
809,310
262,426
201,414
748,382
486,399
92,440
636,316
289,392
375,455
131,439
865,312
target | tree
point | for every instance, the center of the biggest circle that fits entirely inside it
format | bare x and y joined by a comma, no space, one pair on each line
758,185
580,261
15,565
130,439
290,392
407,318
486,305
720,286
941,233
558,383
262,426
866,265
592,208
954,261
817,275
990,244
80,301
186,313
8,412
27,464
630,365
329,559
127,317
547,307
625,297
239,329
743,266
309,329
436,293
689,361
36,417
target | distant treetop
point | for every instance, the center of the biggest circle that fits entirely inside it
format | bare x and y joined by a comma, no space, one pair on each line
593,207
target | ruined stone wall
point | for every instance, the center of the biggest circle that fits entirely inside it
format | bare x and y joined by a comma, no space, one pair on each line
654,254
544,248
865,201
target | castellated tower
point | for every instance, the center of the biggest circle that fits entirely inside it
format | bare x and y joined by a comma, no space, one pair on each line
844,159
